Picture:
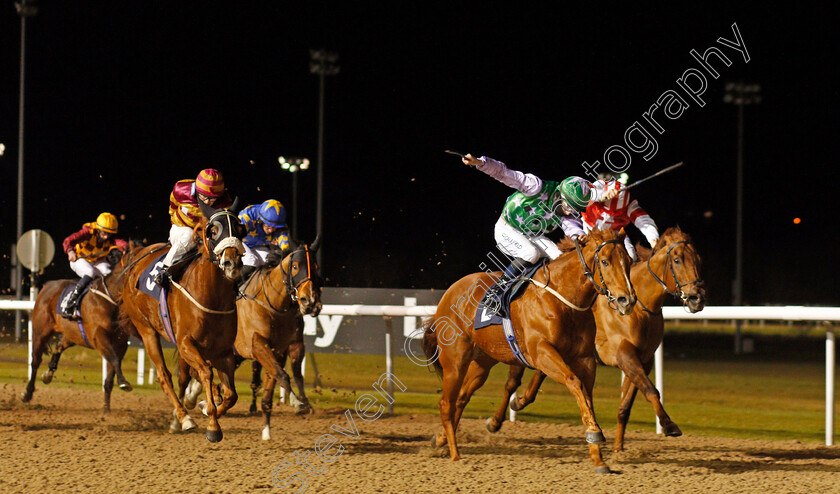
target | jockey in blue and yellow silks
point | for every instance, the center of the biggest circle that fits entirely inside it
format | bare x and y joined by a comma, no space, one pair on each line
266,225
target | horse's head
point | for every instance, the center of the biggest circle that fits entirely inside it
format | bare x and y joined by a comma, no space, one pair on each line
221,235
604,251
679,273
302,278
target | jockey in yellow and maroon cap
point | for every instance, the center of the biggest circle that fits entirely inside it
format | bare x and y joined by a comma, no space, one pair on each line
184,213
88,250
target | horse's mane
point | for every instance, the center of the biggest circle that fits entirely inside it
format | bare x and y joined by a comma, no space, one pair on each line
597,236
672,234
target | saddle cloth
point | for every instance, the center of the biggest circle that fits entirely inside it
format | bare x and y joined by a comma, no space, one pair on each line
65,294
486,316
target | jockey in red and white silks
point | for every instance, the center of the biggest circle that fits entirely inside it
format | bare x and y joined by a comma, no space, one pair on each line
618,213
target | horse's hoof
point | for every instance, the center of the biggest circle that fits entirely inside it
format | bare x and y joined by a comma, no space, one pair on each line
492,425
266,433
188,424
595,438
126,386
603,469
202,405
253,408
174,426
672,430
47,377
302,410
25,397
213,436
435,443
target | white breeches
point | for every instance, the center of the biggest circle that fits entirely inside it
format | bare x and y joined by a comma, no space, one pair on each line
254,256
181,238
83,267
516,244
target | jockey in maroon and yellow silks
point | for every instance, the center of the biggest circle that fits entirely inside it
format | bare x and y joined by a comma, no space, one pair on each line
183,205
87,251
90,246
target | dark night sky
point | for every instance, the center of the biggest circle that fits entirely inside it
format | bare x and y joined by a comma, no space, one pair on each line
125,98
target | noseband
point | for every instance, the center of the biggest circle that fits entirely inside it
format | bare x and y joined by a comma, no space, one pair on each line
293,285
669,263
217,247
603,289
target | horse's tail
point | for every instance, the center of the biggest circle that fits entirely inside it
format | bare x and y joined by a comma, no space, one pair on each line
430,346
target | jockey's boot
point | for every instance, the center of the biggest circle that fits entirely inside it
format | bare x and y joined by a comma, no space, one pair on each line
70,308
162,278
493,299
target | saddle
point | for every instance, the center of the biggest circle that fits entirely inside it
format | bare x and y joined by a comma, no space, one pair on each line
488,314
65,295
146,283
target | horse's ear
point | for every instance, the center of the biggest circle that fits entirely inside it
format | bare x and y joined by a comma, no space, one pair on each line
315,243
233,207
206,210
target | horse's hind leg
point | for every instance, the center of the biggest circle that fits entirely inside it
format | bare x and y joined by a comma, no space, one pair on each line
151,341
39,345
477,373
112,348
62,344
256,382
513,382
296,354
455,360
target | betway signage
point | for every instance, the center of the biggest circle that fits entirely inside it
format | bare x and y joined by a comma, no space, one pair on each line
363,334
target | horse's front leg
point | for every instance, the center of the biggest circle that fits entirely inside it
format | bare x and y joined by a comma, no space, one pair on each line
549,360
637,373
189,352
226,368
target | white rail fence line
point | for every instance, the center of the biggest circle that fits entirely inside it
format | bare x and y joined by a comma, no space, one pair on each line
780,313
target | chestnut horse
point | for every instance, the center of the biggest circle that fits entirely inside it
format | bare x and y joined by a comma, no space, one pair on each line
270,314
99,314
202,311
550,327
629,342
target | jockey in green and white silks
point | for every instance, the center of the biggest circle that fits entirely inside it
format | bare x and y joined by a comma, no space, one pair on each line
537,208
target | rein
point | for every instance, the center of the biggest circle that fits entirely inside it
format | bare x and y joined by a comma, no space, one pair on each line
195,302
603,289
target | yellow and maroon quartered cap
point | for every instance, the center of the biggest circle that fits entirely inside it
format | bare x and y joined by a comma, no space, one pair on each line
210,183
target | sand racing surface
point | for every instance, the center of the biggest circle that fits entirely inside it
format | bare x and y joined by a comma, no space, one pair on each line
61,442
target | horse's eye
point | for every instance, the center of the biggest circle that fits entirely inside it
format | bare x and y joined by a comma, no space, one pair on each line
605,262
677,260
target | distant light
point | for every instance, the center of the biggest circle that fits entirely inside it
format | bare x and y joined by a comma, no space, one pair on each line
2,148
708,214
292,168
623,178
797,221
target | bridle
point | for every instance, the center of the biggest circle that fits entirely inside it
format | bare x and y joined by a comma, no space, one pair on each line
603,289
215,248
294,285
669,263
